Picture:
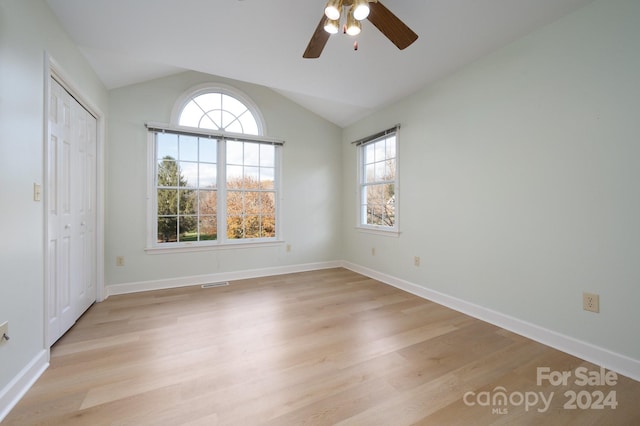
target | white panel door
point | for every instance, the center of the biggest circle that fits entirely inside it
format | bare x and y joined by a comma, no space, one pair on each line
70,191
85,131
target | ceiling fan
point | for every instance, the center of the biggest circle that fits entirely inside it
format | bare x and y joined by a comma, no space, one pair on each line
357,10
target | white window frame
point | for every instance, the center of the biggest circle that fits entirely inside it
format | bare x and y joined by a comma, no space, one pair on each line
361,176
222,242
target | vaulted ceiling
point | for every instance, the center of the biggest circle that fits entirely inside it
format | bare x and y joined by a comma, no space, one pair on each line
262,41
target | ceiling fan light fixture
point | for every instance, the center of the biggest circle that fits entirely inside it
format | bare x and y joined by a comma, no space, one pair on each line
353,25
333,9
380,17
360,9
332,26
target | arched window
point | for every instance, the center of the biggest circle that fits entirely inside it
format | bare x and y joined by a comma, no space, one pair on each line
218,111
220,108
216,177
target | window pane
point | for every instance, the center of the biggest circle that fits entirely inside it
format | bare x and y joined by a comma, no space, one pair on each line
369,153
208,228
267,155
375,214
235,227
390,170
381,205
252,202
208,150
209,101
167,229
370,172
235,202
268,203
391,147
188,174
208,175
187,202
390,215
251,154
374,194
252,226
188,148
235,177
188,228
208,202
234,152
268,227
251,177
167,202
168,173
230,123
207,109
208,121
249,124
233,105
190,115
167,146
267,178
380,150
389,193
380,170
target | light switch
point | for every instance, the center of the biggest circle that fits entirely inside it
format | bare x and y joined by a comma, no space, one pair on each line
37,192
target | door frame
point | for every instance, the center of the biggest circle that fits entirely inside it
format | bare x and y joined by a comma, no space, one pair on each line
52,69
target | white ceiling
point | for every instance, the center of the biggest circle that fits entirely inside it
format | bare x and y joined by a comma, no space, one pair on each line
262,41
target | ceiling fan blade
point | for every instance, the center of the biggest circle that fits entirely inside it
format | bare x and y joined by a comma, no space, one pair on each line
391,26
317,42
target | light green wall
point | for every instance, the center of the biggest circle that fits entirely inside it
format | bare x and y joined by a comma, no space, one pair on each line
311,210
27,30
519,180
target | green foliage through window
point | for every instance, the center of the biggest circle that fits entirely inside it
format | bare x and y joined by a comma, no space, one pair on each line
212,185
189,183
186,201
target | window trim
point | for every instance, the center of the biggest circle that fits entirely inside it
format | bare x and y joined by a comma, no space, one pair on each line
360,146
222,243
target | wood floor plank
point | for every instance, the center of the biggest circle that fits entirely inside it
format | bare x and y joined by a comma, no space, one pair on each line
316,348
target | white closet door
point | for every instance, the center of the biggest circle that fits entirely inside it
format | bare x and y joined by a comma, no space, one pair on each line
70,191
85,129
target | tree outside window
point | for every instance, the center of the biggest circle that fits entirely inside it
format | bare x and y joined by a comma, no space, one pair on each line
211,186
378,182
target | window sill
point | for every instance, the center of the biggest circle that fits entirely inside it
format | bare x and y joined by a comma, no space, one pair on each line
186,248
379,231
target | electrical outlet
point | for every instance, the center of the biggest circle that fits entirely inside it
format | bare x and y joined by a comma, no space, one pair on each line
416,261
4,332
119,260
288,247
373,251
591,302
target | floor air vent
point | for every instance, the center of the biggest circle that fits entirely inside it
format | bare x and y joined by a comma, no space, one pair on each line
212,285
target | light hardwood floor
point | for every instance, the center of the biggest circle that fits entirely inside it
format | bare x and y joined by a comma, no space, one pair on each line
316,348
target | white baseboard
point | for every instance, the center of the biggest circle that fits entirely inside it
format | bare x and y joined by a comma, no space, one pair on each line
603,357
22,382
135,287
